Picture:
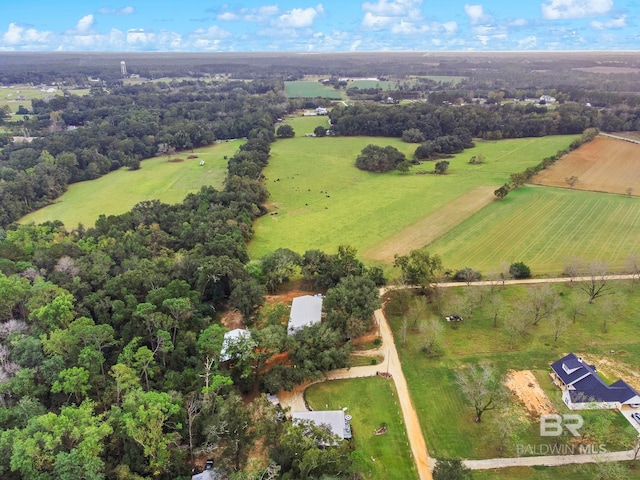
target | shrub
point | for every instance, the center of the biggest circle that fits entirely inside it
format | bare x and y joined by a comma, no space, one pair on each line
519,270
467,275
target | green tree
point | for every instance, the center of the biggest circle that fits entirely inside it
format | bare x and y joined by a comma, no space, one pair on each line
247,296
147,419
519,270
278,266
374,158
351,303
447,469
310,451
418,268
502,192
73,381
64,446
320,131
441,167
285,131
413,135
233,430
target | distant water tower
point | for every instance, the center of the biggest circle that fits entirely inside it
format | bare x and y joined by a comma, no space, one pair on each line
123,68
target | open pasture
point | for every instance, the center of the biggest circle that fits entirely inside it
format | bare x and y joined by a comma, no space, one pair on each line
380,456
603,165
157,178
303,89
543,227
319,200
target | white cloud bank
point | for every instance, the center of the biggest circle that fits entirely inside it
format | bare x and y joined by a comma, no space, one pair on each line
572,9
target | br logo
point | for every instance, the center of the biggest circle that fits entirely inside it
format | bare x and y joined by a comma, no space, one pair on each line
551,425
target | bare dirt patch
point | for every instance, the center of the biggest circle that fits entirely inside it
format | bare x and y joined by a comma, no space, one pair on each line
428,229
232,319
603,165
526,387
614,369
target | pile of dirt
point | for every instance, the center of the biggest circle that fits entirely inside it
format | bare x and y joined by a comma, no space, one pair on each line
176,160
525,386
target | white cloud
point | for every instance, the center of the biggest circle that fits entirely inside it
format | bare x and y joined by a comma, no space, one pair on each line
518,22
258,15
299,17
128,10
395,8
354,46
570,9
85,24
619,22
475,13
17,35
401,17
528,43
213,32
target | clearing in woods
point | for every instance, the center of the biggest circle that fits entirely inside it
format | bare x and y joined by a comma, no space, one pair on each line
603,165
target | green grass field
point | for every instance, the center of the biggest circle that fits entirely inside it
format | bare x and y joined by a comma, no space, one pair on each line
303,89
323,201
390,451
117,192
445,415
543,226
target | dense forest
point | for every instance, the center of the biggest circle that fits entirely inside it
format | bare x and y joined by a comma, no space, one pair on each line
111,337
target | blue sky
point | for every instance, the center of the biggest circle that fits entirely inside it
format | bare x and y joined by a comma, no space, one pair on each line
326,26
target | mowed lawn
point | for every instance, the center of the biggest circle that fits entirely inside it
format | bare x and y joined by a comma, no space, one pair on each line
320,200
371,402
117,192
544,227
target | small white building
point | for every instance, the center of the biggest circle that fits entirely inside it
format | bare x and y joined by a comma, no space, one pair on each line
335,420
305,311
231,340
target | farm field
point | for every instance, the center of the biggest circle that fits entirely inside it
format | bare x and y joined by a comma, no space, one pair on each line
117,192
543,227
319,200
445,414
303,89
390,451
603,165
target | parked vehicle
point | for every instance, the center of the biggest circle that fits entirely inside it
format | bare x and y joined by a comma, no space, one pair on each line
454,318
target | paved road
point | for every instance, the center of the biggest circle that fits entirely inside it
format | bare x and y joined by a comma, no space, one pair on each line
549,460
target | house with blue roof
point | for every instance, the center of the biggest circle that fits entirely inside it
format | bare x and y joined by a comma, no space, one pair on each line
582,387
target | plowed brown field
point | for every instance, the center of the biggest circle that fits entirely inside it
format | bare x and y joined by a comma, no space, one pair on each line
602,165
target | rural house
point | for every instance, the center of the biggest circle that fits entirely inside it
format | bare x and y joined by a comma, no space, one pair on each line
582,387
305,311
335,420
